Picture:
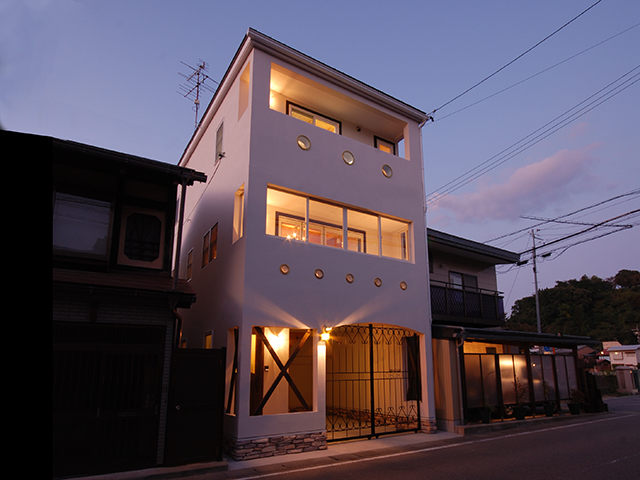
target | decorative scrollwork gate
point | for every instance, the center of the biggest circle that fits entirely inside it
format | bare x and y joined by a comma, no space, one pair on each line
373,381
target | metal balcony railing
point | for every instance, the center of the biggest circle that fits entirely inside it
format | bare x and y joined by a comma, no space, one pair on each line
466,305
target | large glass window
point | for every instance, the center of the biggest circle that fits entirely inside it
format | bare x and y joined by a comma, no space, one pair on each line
363,232
81,224
325,224
395,238
297,217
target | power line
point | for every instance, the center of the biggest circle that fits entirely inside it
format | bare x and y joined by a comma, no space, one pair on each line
532,139
536,74
587,230
634,192
514,60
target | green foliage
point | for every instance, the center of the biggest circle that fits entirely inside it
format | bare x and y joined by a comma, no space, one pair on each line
603,309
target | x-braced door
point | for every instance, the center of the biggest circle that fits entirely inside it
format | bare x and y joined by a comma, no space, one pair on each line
373,381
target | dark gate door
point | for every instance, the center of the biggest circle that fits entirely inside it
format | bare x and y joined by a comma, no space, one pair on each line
373,381
196,406
107,382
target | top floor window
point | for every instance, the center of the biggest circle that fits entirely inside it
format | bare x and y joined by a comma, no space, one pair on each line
313,118
219,151
385,145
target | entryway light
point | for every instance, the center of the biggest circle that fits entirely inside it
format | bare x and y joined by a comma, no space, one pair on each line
325,333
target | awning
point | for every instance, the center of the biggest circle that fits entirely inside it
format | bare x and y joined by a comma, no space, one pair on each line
450,332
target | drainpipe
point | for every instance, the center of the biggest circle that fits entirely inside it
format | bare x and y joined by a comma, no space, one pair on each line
176,268
460,338
430,398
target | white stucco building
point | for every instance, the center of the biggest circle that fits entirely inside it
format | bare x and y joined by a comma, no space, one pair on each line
311,220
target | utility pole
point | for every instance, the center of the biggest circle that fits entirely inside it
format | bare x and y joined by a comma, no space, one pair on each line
535,279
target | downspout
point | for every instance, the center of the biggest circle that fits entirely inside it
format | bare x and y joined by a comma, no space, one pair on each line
176,268
460,338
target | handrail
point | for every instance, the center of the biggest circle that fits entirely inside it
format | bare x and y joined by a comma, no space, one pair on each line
466,289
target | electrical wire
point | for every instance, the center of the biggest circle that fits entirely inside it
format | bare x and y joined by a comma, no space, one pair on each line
632,193
536,74
532,139
514,60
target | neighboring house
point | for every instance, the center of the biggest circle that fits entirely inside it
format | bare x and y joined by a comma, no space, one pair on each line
624,355
625,360
311,222
477,362
115,303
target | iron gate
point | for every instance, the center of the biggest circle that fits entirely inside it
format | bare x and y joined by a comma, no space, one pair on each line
373,381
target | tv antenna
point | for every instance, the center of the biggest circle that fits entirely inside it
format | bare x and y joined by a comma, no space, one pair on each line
195,83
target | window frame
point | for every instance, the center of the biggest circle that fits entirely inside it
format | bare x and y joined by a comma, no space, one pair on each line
210,246
219,142
464,281
303,223
314,117
105,202
190,264
379,142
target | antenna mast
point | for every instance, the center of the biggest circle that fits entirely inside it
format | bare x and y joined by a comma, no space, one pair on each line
195,82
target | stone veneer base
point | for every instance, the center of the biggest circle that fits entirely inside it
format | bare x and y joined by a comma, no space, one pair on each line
273,446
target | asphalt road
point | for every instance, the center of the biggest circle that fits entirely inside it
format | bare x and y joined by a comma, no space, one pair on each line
601,447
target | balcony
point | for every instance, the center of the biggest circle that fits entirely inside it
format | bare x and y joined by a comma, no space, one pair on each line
458,306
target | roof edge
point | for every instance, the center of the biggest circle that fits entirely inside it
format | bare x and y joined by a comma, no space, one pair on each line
504,256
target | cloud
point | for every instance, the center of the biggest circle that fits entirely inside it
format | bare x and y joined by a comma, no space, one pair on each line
529,189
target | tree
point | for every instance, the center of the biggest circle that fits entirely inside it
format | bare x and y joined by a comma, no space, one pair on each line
602,309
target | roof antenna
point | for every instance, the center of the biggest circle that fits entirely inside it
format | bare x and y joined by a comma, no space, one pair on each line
195,83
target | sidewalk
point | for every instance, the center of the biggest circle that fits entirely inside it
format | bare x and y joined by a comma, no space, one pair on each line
351,450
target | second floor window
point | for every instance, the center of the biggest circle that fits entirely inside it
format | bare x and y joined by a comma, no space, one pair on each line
463,281
297,217
210,245
81,225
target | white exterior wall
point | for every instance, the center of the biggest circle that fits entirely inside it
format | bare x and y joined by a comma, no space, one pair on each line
243,286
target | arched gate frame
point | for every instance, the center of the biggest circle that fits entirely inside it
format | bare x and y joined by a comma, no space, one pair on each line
373,381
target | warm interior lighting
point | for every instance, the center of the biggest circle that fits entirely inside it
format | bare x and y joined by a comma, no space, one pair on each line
276,337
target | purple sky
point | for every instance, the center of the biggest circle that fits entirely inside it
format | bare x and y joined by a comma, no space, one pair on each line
553,132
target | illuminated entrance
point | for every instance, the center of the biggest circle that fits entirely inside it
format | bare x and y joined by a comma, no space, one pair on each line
373,381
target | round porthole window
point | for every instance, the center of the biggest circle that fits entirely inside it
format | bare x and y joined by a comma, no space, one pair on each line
377,282
303,142
403,285
349,278
386,171
319,273
284,269
348,157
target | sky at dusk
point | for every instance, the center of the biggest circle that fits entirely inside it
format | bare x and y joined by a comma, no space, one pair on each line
535,103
